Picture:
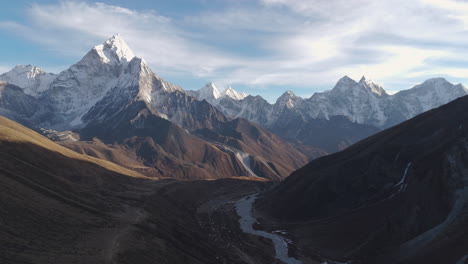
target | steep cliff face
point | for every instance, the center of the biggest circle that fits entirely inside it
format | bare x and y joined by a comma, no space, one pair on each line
149,121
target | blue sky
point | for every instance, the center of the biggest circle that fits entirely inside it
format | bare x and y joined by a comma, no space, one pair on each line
258,46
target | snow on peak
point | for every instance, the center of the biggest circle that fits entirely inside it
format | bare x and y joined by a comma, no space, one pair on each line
29,69
428,95
115,50
81,86
372,86
32,79
436,81
344,84
287,95
346,80
209,92
290,93
348,85
287,99
441,85
233,94
141,74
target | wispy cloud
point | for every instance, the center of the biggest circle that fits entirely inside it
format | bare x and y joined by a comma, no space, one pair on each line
269,43
71,28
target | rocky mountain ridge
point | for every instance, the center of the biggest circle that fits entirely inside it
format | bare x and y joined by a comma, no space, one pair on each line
363,102
112,96
365,106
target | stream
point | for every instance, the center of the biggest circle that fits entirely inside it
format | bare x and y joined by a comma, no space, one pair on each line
244,210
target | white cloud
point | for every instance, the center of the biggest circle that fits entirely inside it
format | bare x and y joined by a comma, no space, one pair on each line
278,42
414,33
73,27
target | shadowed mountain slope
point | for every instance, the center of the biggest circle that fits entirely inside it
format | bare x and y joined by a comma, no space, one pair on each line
397,197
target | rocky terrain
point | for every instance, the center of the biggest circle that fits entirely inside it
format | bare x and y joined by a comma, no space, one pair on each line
143,122
396,197
335,119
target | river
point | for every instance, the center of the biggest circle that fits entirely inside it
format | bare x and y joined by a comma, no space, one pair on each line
244,210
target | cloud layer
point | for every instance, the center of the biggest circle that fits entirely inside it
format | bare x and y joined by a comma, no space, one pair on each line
272,43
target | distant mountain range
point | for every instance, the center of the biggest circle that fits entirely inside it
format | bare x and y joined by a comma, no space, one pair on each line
366,106
113,96
211,93
363,102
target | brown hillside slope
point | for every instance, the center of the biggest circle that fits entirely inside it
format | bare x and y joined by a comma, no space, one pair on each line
12,133
57,206
51,198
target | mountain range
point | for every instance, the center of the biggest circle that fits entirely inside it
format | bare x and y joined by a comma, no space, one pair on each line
211,93
142,171
363,102
110,89
114,103
366,107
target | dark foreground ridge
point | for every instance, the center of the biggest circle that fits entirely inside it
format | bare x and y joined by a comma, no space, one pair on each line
397,197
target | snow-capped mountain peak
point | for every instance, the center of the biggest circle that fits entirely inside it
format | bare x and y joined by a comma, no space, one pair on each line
115,50
213,90
288,99
210,93
372,86
364,79
233,94
78,88
287,95
150,85
30,70
344,84
435,81
32,79
348,86
345,80
438,86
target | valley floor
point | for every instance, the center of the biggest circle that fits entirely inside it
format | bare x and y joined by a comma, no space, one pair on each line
147,222
191,222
